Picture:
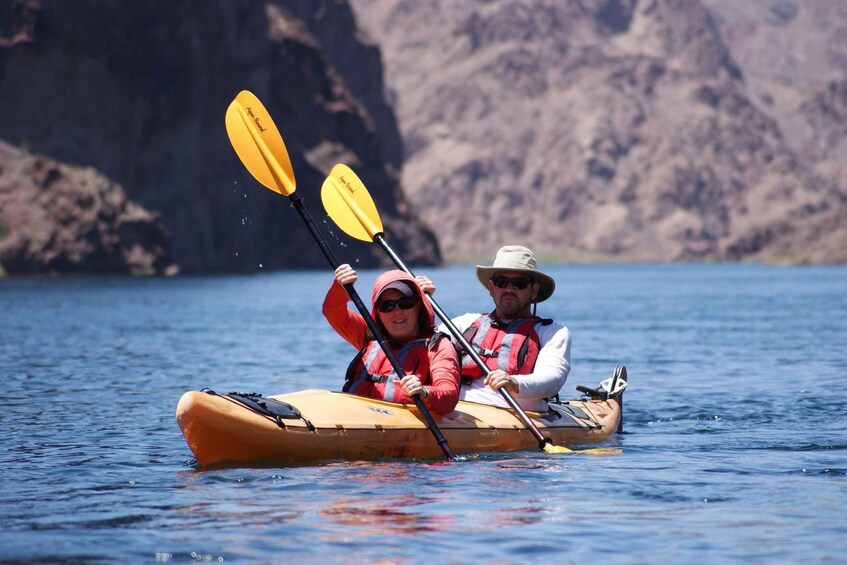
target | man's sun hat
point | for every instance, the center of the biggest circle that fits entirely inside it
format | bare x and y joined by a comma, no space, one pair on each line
519,259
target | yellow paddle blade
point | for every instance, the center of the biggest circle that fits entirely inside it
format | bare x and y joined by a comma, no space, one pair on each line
259,144
550,448
348,203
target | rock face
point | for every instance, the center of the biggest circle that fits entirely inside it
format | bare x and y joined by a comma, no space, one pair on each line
623,129
55,218
138,91
794,58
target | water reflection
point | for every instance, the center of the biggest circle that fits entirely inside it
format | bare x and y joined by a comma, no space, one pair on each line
413,514
392,516
357,501
242,512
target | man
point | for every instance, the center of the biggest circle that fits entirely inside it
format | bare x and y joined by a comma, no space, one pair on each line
527,355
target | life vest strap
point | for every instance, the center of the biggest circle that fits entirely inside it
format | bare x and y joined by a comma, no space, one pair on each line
378,378
491,353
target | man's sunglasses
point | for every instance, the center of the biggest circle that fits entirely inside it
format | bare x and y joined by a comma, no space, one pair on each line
519,283
387,306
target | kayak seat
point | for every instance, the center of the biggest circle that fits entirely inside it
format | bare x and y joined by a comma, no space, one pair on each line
568,414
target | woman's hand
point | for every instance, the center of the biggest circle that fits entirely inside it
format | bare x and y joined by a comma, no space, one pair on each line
411,385
426,285
345,274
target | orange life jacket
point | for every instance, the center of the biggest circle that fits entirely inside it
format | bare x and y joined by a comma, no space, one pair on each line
370,374
510,346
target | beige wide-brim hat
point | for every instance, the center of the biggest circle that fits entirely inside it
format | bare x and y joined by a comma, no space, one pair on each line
520,259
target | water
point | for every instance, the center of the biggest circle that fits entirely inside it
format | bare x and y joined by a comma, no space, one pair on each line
734,448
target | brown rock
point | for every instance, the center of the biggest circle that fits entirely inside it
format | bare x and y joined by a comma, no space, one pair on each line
618,129
57,219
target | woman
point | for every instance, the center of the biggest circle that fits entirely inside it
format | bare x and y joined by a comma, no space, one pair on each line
407,321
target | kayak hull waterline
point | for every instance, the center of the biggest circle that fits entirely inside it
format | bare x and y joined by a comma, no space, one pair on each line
327,425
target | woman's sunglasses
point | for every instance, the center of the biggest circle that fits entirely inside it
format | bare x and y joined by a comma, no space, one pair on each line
387,306
519,283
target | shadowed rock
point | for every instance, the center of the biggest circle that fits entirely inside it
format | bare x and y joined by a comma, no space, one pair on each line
138,91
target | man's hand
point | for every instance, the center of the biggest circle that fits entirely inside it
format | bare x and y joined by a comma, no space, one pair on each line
498,379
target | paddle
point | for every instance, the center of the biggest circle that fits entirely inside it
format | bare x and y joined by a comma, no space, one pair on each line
349,204
259,145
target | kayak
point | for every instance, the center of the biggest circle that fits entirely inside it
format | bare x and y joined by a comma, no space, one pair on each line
321,425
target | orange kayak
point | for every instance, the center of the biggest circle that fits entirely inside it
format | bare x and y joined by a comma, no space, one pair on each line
318,425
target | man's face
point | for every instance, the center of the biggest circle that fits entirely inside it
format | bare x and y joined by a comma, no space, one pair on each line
510,300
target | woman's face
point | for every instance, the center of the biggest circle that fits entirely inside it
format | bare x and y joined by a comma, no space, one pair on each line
399,323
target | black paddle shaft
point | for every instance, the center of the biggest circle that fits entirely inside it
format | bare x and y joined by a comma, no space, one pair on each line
510,400
297,203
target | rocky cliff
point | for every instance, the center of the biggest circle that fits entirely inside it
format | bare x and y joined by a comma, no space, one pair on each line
138,90
623,129
618,129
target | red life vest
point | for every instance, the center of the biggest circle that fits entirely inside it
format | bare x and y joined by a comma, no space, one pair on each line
510,346
371,374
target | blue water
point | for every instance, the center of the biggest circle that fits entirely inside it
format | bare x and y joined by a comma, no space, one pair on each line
734,451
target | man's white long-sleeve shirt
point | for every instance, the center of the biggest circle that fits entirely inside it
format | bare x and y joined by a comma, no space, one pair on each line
547,378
